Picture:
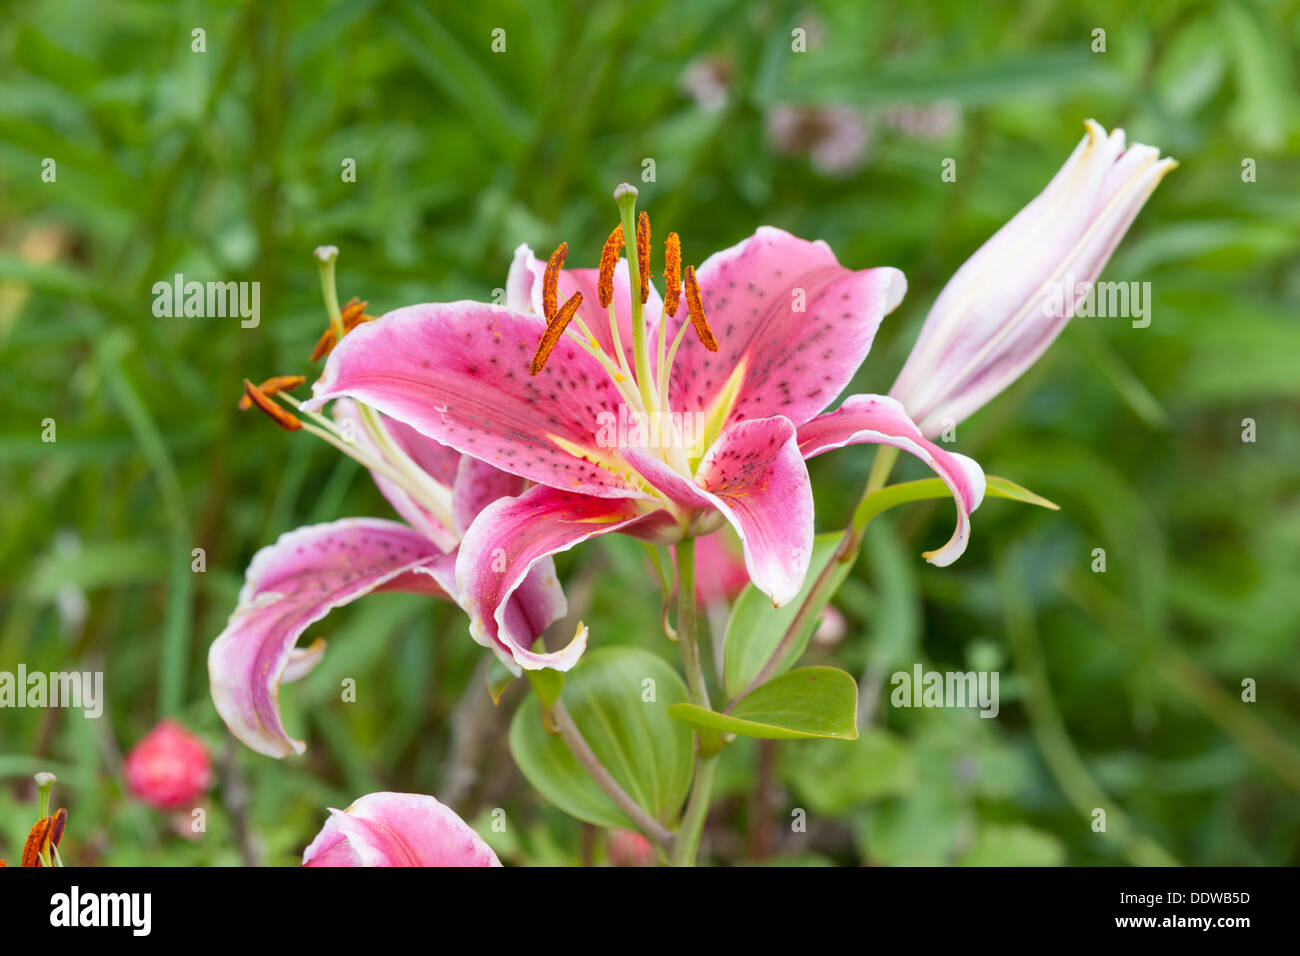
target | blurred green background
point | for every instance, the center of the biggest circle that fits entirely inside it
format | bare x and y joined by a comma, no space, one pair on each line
1119,690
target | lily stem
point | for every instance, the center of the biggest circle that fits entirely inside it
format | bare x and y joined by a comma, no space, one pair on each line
706,767
847,551
583,753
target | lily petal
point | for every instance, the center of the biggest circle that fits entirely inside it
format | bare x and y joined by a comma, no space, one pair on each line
791,322
754,474
476,486
397,829
878,419
506,541
290,585
458,373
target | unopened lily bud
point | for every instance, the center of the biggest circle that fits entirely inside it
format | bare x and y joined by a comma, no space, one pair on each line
169,768
1012,298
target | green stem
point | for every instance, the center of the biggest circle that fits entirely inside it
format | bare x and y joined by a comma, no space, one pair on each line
697,807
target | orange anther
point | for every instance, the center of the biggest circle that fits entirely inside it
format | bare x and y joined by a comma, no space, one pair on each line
696,308
608,260
672,274
277,414
643,254
278,383
38,841
554,330
324,346
551,280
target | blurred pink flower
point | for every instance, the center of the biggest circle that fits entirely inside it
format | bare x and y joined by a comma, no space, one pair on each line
397,829
629,849
720,572
835,138
169,768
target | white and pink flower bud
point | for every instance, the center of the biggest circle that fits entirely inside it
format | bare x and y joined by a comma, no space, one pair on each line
169,768
1012,298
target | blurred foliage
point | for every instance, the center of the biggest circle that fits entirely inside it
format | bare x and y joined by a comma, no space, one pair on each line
1119,690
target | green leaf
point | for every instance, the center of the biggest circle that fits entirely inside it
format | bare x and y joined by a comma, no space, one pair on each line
619,697
755,628
1002,488
891,496
808,702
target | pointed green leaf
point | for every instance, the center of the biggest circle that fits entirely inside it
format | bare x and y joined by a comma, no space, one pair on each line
808,702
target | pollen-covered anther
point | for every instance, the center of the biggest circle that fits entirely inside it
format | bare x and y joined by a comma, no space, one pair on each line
324,345
554,332
696,309
551,281
354,313
643,254
280,416
672,274
38,839
608,260
272,386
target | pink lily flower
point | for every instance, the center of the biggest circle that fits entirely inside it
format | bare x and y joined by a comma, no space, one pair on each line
397,829
719,427
1011,299
310,571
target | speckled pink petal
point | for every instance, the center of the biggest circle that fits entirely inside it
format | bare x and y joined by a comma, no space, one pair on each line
458,373
397,829
794,362
477,485
524,294
755,476
292,584
437,461
878,419
506,541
